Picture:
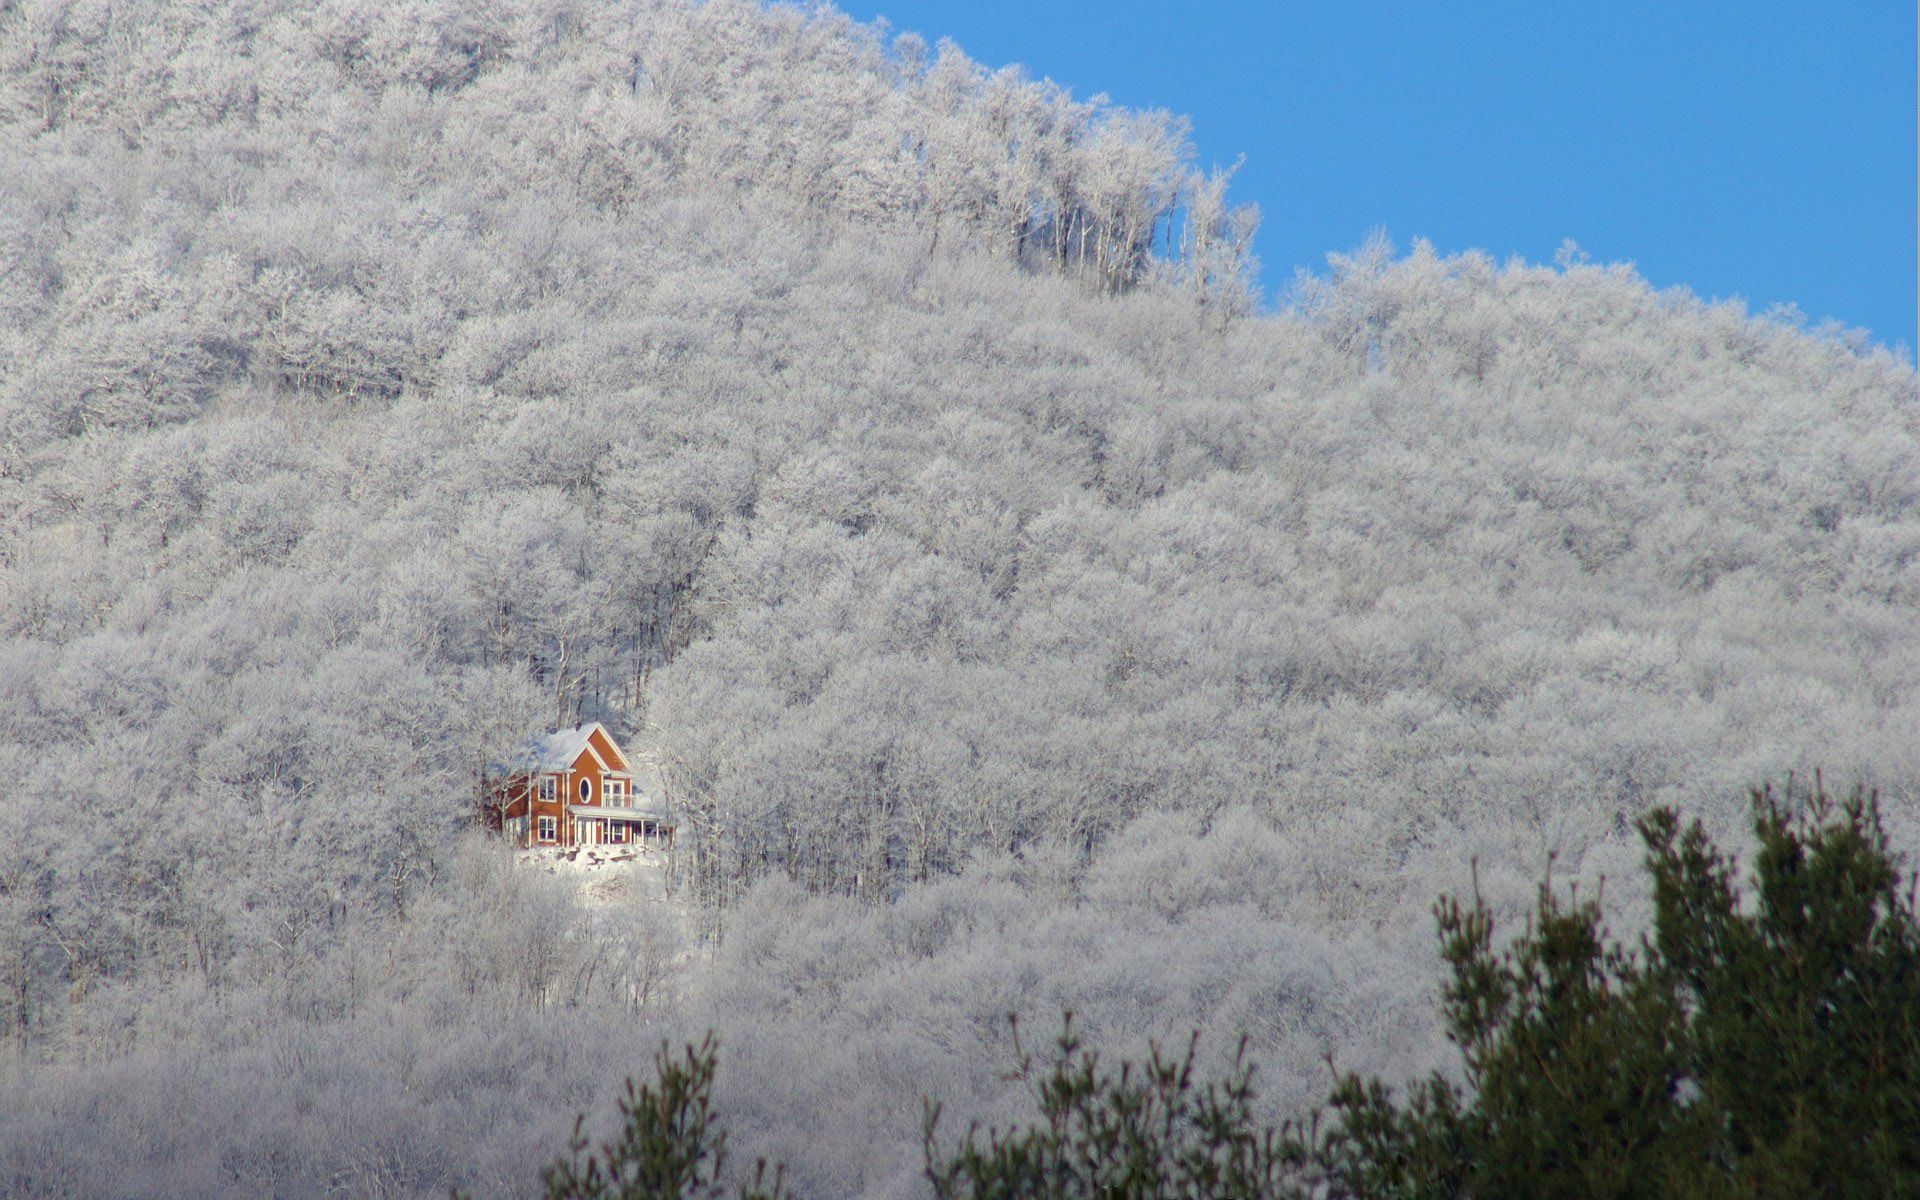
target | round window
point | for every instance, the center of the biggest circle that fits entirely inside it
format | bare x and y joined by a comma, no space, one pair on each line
586,790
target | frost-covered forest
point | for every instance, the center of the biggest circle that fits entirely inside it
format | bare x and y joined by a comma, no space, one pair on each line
1027,618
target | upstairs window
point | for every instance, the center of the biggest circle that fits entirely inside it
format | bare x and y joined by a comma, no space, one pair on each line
616,793
548,788
586,791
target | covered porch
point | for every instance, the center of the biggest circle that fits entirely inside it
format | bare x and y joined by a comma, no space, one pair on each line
595,825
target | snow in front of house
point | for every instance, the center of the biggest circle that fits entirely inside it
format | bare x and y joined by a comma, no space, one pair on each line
607,875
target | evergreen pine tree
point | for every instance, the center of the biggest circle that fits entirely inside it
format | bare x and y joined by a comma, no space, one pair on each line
1754,1046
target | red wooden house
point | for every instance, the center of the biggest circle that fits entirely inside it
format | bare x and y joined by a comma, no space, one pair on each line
577,787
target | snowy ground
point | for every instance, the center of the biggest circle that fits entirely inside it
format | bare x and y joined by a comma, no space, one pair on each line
608,875
628,895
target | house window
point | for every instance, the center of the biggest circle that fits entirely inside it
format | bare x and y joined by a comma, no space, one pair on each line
547,788
616,793
586,791
617,833
547,828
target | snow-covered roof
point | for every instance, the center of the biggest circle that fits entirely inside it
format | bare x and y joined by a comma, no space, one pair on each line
557,751
618,814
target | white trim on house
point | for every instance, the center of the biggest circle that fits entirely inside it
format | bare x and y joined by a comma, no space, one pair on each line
593,812
596,757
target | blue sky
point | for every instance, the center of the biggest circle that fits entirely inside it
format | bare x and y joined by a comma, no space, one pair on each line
1762,150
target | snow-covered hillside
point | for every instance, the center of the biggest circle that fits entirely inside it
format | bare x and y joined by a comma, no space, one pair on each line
1027,621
